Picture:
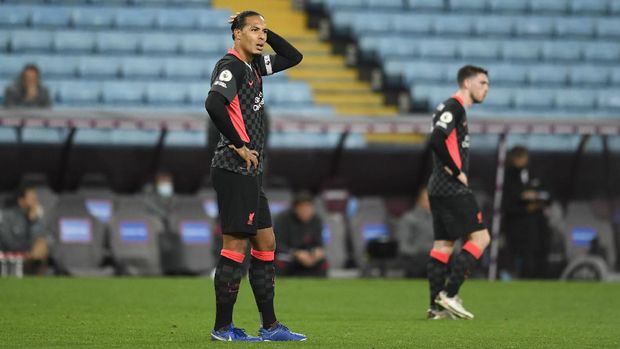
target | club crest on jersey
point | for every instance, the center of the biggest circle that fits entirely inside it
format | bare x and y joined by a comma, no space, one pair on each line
446,117
225,75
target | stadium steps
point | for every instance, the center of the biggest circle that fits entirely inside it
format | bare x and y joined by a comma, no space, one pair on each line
331,81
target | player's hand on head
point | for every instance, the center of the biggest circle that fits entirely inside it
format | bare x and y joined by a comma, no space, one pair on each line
232,17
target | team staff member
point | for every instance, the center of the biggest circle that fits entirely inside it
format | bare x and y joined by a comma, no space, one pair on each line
235,104
453,206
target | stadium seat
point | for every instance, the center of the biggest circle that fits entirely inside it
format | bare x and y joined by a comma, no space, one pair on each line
609,100
385,4
461,25
608,28
186,68
94,17
602,52
420,72
372,23
178,19
74,41
138,18
459,6
99,67
534,26
556,7
198,92
589,75
57,66
334,233
333,5
615,76
569,27
134,238
79,93
159,43
495,26
141,67
479,49
437,49
166,93
288,92
4,41
508,6
413,23
214,19
499,97
31,41
13,16
520,50
12,65
78,247
117,42
573,100
540,99
426,5
507,74
205,44
561,51
369,223
123,93
595,7
540,75
51,17
614,8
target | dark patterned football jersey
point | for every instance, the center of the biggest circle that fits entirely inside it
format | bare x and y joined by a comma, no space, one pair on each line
450,118
242,86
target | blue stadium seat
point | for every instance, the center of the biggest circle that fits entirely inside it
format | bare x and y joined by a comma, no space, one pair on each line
178,19
186,68
561,51
51,16
421,72
413,23
14,16
520,50
288,93
12,65
459,6
499,98
602,52
608,28
549,6
568,27
198,92
572,100
479,49
4,41
117,42
205,43
506,73
31,41
581,7
79,93
372,23
614,7
214,19
123,93
609,100
539,99
333,5
60,66
93,17
159,43
495,26
512,6
74,41
540,75
615,76
141,67
534,26
589,75
99,67
454,25
141,18
396,48
437,49
428,5
166,93
385,4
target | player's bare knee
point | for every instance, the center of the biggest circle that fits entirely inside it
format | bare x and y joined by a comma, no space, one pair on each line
235,244
481,238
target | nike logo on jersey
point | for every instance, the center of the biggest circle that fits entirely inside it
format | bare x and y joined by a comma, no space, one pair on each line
251,83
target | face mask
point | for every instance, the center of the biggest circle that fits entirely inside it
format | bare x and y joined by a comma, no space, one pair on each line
165,189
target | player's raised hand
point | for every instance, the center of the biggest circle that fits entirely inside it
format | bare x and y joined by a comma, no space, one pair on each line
250,156
232,18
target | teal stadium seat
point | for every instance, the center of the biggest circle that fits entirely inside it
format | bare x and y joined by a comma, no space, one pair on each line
79,93
123,93
141,67
555,7
508,6
99,67
117,42
94,17
589,76
590,7
30,41
167,93
74,41
50,17
460,6
12,16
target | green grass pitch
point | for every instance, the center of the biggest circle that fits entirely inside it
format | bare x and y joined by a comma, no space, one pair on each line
178,313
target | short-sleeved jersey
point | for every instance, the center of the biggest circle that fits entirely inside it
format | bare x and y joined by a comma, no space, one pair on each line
450,118
242,86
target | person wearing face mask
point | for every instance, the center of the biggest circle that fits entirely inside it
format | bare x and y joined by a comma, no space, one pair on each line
22,230
27,91
159,195
523,217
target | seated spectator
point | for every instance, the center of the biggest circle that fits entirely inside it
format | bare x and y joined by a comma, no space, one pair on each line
159,194
414,233
22,230
27,91
299,240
